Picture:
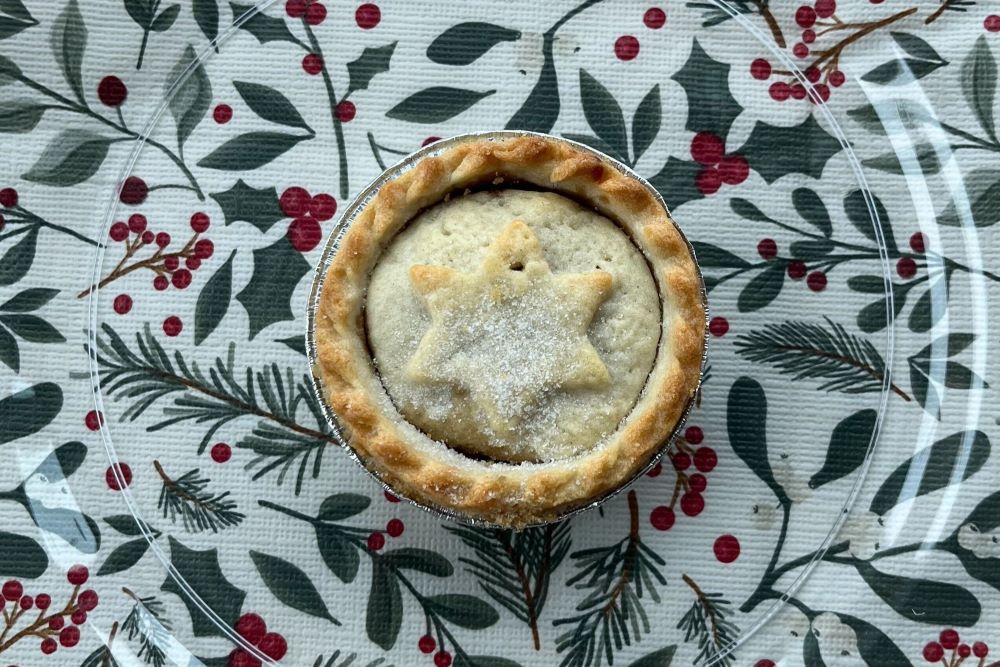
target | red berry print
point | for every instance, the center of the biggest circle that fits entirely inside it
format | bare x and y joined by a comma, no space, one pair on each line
111,91
171,262
376,541
26,602
273,646
698,482
705,459
134,191
294,201
43,601
822,91
626,47
798,91
124,471
305,234
906,267
69,636
718,326
726,548
118,231
805,16
442,659
12,590
312,64
391,498
78,575
948,638
654,18
809,36
992,23
692,503
240,658
825,8
162,239
980,650
964,650
204,248
734,170
764,663
779,91
56,623
172,325
395,527
147,237
694,435
93,420
767,248
708,181
837,78
813,74
295,8
79,617
221,452
426,644
160,283
655,470
323,207
346,111
760,69
251,627
707,149
122,304
933,652
8,197
192,263
200,222
367,16
430,140
800,50
181,278
797,269
222,114
816,281
137,223
681,461
315,13
918,243
49,646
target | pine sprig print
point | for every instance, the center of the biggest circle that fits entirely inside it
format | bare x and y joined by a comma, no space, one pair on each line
611,616
707,622
338,659
199,509
146,624
515,567
845,362
147,375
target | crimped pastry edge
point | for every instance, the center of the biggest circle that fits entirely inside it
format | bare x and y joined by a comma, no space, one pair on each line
429,472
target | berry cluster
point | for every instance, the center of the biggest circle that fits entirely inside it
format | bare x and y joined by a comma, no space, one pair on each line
709,150
394,528
427,644
820,16
313,13
627,46
307,212
254,630
949,640
796,269
688,487
54,628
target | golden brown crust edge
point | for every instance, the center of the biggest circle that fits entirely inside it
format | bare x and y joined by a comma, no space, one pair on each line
429,472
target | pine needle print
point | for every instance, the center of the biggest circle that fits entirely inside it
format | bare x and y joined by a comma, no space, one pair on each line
844,362
199,509
514,567
706,621
145,623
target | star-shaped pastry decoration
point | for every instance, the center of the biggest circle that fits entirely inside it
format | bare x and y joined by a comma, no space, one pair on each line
511,331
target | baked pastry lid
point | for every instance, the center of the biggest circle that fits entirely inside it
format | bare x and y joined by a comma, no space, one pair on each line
347,218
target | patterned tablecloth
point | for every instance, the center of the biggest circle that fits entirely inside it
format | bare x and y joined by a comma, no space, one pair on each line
153,297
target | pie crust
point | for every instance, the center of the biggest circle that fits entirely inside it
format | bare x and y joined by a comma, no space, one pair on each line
435,475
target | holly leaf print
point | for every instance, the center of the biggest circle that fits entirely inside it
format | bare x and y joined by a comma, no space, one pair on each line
69,41
768,149
213,302
364,68
711,107
251,150
270,104
191,97
676,182
436,104
291,585
243,203
464,43
979,85
277,270
202,573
